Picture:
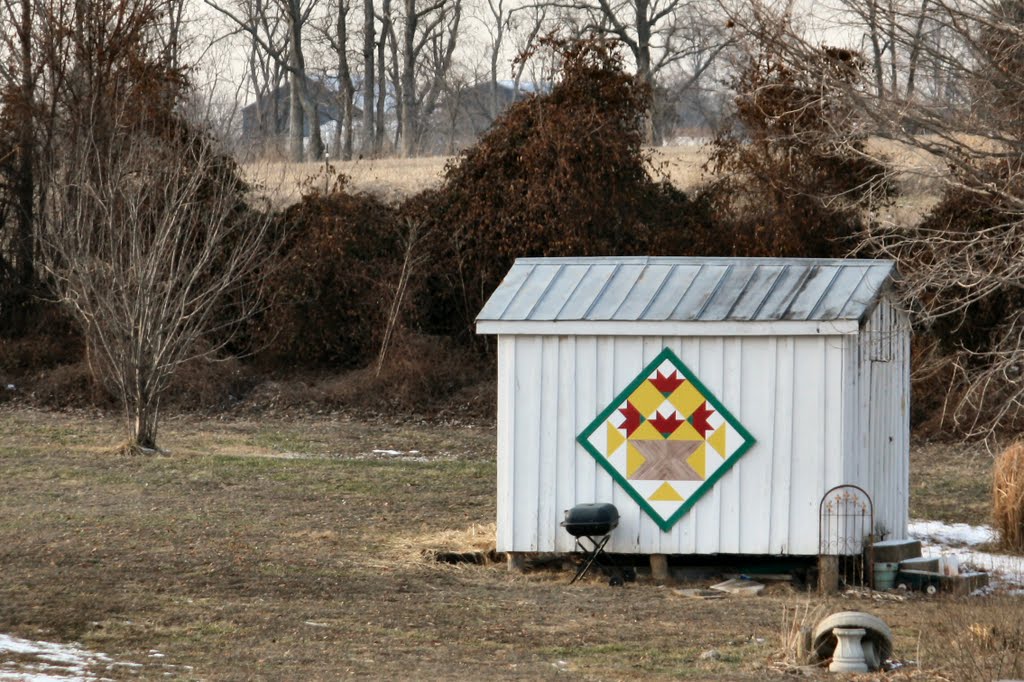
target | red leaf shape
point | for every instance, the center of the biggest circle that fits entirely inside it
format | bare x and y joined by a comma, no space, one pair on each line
633,418
699,419
668,383
666,425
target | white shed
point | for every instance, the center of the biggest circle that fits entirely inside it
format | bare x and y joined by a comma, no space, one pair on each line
714,401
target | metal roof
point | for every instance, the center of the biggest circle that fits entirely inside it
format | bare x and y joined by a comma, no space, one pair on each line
685,289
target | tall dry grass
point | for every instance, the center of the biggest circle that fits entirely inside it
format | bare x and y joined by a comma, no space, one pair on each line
1008,496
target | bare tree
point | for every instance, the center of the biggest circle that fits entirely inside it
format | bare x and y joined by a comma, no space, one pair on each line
335,31
146,241
369,74
964,260
660,33
250,17
429,37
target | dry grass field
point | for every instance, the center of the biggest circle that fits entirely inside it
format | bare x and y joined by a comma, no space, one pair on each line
918,175
303,549
396,179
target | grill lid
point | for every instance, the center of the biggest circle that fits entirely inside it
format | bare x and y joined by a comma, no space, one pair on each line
591,518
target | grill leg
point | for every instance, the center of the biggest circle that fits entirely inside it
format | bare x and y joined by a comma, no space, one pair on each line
592,555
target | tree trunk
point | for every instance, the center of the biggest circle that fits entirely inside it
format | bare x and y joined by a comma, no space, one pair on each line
25,182
294,119
382,94
144,423
366,143
643,64
409,113
300,87
343,132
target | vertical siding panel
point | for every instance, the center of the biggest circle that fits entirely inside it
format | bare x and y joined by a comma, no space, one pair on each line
781,445
507,379
755,467
527,450
628,363
567,452
547,447
731,393
586,401
864,455
807,474
700,534
851,470
833,381
603,484
904,451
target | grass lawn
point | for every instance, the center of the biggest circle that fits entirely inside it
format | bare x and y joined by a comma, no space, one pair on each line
288,549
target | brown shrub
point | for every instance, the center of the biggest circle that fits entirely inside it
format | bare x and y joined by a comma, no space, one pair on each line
70,385
793,177
1008,496
958,259
48,338
333,285
559,174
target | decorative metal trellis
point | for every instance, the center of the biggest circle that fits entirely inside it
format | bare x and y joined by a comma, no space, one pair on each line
846,520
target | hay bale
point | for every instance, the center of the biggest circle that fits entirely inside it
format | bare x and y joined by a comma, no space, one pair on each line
1008,496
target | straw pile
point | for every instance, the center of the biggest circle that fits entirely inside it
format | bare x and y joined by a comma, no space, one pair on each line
1008,496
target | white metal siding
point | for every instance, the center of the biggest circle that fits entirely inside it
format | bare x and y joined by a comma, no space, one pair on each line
880,460
787,391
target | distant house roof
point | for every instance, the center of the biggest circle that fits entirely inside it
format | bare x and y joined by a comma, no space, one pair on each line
642,291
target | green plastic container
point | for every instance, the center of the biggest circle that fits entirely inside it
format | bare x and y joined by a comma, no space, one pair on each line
885,575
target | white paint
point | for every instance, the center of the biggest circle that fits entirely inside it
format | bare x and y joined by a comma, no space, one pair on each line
826,408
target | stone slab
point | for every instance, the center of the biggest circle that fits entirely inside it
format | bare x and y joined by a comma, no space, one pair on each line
744,588
920,564
895,551
962,584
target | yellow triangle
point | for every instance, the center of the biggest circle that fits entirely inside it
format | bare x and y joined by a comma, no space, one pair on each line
615,439
665,493
717,440
634,460
646,431
686,398
685,432
696,460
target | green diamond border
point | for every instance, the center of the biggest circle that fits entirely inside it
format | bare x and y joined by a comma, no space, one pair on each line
602,459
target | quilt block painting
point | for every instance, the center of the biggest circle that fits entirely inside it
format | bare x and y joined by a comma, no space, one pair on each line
666,439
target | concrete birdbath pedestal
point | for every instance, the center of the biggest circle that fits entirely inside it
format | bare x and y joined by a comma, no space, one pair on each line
849,656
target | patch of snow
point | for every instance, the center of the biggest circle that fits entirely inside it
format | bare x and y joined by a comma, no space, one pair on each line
388,452
950,534
51,662
957,539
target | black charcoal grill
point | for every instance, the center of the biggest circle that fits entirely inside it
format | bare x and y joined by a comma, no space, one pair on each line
592,522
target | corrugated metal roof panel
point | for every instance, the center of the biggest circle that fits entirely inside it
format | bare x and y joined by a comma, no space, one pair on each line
615,292
687,289
587,291
561,289
644,291
531,293
695,299
758,289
